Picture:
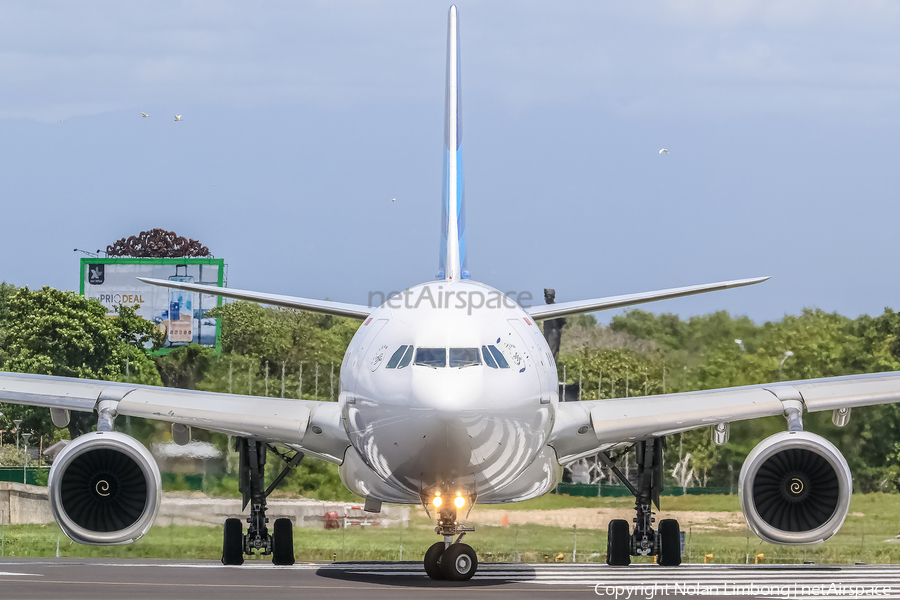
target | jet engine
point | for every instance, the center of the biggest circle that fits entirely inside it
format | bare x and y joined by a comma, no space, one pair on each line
104,489
795,488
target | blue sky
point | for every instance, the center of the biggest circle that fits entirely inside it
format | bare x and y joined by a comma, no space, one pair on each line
303,119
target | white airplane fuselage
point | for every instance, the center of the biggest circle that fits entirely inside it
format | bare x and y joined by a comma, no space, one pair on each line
480,430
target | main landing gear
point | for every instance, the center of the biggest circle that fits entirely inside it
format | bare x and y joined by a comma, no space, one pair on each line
664,543
280,543
451,560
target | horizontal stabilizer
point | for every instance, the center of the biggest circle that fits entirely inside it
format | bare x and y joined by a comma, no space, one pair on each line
551,311
340,309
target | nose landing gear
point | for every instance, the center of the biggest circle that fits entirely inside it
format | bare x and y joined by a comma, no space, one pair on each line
449,559
664,543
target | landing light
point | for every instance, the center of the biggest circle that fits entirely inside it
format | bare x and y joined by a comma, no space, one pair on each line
437,500
459,501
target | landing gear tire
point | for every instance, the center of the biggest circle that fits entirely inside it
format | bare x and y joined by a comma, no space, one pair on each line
433,560
618,544
670,543
459,562
233,544
283,545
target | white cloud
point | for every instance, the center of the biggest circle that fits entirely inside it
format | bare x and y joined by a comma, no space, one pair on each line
58,59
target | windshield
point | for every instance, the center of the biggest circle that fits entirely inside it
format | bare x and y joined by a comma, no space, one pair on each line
501,360
392,364
464,357
406,358
488,359
431,357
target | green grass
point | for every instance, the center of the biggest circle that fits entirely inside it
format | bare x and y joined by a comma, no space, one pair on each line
556,501
861,539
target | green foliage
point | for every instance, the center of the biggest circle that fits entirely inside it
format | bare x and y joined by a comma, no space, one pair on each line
184,367
254,337
702,353
277,334
61,333
136,331
6,291
312,479
51,332
41,476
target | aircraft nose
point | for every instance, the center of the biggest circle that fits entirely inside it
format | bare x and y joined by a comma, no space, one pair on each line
447,390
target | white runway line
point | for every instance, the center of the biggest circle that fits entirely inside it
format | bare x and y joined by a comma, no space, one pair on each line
728,577
800,578
767,581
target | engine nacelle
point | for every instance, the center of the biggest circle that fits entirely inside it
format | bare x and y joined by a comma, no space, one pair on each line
105,489
795,488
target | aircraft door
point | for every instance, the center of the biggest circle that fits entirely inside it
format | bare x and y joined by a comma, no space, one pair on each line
533,356
362,354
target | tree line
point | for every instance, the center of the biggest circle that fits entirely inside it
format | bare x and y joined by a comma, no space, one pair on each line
662,352
54,332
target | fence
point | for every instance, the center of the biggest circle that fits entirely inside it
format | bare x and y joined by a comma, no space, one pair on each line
592,490
31,475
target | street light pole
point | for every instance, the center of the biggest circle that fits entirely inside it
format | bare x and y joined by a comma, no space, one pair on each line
25,468
17,422
787,355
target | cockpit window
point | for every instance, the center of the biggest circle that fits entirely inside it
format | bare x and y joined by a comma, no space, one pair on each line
431,357
464,357
395,358
498,356
406,358
488,359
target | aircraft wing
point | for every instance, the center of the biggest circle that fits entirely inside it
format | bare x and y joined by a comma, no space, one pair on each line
551,311
340,309
280,420
583,428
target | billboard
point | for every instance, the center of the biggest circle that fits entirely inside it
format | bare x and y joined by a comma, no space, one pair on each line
180,315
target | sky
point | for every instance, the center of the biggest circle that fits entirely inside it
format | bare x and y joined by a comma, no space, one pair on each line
302,120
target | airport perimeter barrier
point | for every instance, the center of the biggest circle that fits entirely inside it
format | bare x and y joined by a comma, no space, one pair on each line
39,475
31,475
181,482
593,490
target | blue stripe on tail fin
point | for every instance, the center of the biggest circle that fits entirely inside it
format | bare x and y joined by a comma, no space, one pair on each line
452,263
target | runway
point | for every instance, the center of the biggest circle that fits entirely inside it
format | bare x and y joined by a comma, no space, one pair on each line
199,580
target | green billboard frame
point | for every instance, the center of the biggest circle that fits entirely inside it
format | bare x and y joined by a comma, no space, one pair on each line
220,262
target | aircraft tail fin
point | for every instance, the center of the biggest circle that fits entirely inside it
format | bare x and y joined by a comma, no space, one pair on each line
452,263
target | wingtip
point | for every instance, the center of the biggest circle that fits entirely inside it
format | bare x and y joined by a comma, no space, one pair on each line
755,280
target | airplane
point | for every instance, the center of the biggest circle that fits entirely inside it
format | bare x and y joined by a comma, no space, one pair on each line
448,398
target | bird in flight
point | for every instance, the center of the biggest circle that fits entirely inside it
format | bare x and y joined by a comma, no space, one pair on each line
177,117
393,199
145,115
663,150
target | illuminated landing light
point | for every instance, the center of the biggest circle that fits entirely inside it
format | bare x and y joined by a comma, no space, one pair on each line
437,501
459,501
